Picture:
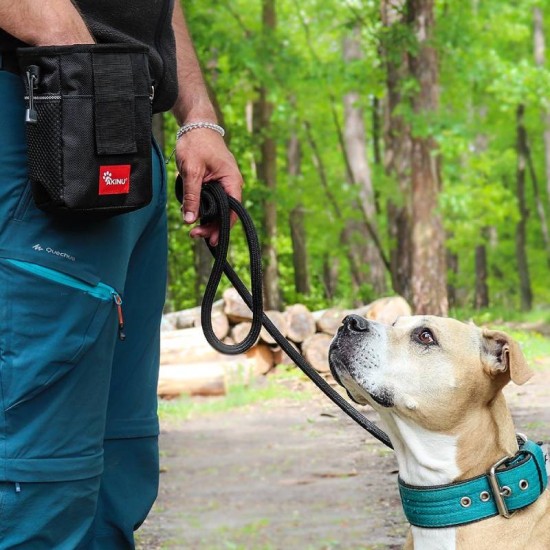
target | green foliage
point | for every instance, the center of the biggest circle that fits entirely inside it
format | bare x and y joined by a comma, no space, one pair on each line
487,68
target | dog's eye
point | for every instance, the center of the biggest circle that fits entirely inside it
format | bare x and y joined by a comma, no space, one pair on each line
425,337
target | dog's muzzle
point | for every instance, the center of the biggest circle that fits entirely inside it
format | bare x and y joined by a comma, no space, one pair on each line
353,326
343,358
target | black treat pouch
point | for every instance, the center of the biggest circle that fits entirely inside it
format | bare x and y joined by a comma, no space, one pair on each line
88,128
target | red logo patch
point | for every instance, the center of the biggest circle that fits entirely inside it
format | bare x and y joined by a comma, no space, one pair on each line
114,180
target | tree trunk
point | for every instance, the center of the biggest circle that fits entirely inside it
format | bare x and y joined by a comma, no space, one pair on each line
482,290
299,250
351,240
376,131
356,150
526,294
540,54
330,276
296,221
355,252
538,202
267,173
480,144
353,234
397,151
452,265
346,236
428,275
418,257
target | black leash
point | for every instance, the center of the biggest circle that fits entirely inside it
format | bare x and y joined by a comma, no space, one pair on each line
215,207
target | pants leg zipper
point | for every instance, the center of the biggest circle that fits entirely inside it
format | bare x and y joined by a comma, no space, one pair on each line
100,291
118,302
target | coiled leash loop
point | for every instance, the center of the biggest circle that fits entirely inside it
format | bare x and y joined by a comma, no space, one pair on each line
214,202
215,206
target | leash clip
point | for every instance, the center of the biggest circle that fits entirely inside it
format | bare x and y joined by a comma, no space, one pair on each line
500,493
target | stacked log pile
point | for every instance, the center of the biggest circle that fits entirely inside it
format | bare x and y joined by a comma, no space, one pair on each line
190,366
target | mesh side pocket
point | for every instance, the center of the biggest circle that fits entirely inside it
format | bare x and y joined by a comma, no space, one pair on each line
44,151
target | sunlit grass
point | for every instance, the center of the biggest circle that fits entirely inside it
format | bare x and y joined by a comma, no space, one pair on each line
535,346
274,386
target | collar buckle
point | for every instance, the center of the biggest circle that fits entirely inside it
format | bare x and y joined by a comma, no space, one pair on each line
500,493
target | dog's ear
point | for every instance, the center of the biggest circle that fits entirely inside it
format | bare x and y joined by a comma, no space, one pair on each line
502,354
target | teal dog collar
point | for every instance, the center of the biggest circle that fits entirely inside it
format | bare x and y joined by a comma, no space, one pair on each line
512,484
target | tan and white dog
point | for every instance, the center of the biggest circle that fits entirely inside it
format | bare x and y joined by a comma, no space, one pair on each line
437,384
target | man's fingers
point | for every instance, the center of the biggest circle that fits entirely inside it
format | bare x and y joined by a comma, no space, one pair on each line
204,159
192,183
214,236
199,232
209,231
234,189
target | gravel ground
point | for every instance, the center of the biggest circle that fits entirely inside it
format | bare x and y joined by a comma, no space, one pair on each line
291,475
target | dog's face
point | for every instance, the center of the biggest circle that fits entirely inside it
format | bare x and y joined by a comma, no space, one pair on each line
424,368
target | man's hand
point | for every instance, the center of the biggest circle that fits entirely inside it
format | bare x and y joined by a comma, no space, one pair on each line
201,156
44,23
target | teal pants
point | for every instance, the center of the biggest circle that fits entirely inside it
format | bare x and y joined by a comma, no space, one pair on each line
78,419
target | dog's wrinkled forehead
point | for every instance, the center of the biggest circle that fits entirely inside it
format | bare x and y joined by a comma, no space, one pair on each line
446,323
447,333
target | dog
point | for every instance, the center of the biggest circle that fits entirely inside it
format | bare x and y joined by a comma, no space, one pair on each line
437,385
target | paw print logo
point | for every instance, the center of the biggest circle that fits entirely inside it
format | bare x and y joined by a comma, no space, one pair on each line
107,176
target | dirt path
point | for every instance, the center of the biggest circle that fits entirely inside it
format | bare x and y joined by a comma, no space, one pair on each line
290,475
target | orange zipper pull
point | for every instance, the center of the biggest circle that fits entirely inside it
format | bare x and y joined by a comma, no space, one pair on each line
118,301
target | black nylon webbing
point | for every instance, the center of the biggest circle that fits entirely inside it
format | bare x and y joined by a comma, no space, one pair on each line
114,103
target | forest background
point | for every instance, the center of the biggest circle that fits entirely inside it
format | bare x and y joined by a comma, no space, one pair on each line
387,146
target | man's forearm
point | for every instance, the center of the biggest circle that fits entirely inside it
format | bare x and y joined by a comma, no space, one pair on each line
44,22
193,103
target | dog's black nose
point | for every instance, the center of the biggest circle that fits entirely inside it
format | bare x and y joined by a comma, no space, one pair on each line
356,323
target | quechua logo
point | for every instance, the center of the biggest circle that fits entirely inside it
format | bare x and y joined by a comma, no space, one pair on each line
114,180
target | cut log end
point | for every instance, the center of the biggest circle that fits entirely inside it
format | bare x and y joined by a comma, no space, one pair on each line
315,350
301,323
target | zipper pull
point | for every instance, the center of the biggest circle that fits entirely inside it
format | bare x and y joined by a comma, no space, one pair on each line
118,302
31,116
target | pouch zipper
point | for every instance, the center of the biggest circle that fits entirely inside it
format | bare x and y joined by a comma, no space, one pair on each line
31,116
32,74
101,291
45,97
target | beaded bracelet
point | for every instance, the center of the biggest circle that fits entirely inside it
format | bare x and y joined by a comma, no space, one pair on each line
194,125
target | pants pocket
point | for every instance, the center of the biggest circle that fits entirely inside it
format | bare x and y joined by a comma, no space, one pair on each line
23,203
42,516
49,321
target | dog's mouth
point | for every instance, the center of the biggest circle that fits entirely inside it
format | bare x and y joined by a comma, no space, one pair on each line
383,397
334,361
337,365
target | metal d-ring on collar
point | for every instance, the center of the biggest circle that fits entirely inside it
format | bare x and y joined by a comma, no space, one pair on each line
500,493
513,483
